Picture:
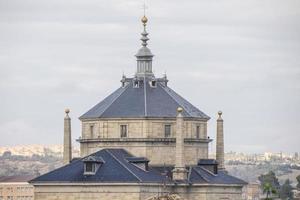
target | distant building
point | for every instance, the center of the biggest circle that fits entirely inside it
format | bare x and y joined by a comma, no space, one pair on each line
296,156
252,191
296,194
16,188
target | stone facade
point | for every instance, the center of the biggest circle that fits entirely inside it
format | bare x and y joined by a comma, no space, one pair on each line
146,137
16,187
134,192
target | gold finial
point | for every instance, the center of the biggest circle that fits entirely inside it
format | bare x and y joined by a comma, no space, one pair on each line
179,110
67,110
220,113
144,20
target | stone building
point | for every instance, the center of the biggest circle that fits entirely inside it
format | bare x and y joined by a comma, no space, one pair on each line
16,188
144,141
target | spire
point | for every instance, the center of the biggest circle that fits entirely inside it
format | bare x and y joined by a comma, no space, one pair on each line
144,55
179,172
220,142
144,34
67,155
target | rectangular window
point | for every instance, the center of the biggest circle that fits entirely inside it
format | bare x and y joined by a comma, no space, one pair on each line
89,167
123,130
167,130
198,132
92,131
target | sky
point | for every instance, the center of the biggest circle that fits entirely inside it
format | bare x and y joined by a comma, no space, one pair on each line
241,57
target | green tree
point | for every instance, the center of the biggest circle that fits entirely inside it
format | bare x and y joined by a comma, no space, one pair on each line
298,179
286,190
271,179
269,190
6,154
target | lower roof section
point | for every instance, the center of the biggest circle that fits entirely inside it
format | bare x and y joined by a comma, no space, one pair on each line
117,169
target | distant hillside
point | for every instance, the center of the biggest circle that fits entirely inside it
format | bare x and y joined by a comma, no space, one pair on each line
31,159
41,150
39,159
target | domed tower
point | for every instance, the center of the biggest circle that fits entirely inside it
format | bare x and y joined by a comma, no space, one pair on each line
140,117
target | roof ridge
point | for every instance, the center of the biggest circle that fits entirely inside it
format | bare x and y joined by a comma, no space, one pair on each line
182,101
126,87
200,175
122,164
208,171
165,89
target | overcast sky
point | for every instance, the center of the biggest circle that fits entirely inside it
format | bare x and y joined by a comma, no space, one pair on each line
241,57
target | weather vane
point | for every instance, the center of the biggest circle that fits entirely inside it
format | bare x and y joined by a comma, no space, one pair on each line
144,18
145,7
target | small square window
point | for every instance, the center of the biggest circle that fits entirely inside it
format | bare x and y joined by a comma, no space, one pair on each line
153,83
90,167
123,131
167,130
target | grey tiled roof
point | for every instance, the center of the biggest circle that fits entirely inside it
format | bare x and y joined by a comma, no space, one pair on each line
130,102
117,169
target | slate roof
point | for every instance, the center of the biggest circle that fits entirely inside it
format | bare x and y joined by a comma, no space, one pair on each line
117,169
201,175
207,162
137,159
130,102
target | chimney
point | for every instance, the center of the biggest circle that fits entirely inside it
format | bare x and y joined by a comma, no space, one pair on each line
179,172
220,143
67,157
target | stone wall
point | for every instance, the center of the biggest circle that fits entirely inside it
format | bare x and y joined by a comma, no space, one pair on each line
100,192
135,192
140,128
16,190
158,153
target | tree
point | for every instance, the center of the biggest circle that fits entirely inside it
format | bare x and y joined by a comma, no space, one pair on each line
286,190
6,154
269,190
271,179
298,179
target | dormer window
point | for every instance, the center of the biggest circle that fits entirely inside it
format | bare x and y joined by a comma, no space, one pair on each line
153,83
92,164
209,164
90,167
140,162
136,83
